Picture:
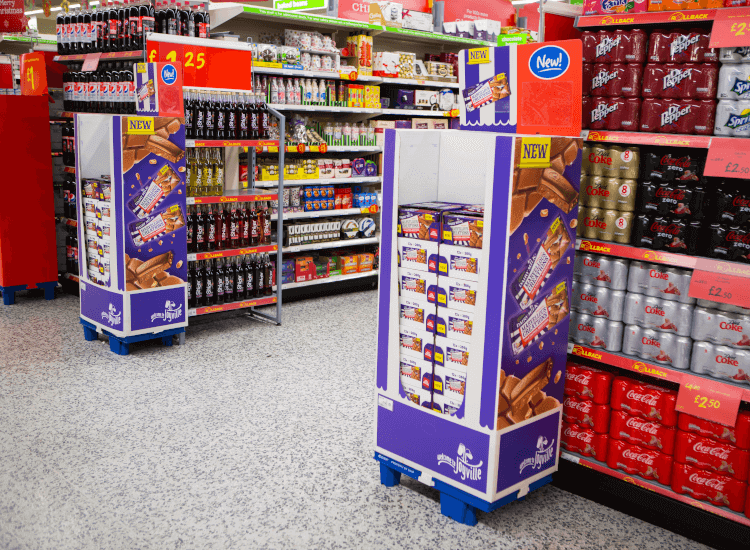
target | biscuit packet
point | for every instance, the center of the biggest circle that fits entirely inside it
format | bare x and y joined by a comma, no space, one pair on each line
542,263
528,326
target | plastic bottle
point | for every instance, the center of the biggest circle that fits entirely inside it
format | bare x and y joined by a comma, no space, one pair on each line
323,100
274,91
347,134
290,95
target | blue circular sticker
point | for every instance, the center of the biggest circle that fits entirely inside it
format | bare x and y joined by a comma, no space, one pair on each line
168,74
549,62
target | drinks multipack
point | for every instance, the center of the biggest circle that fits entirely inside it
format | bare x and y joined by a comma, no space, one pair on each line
644,401
676,235
658,313
646,433
595,332
721,362
598,301
634,459
584,441
680,81
601,271
653,345
669,283
721,327
678,116
587,414
717,489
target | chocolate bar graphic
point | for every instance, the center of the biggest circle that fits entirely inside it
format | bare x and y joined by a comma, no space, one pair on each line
542,263
151,228
147,90
136,147
152,196
485,92
523,398
531,185
152,273
532,324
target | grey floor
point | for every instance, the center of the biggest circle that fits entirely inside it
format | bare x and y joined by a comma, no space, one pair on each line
250,436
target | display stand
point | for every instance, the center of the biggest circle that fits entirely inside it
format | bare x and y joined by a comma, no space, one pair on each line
28,258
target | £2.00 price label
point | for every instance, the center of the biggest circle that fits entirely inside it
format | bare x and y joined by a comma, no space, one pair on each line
709,399
731,28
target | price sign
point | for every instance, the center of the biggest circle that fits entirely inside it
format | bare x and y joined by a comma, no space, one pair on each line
720,287
323,147
205,65
731,28
91,61
710,400
728,158
33,74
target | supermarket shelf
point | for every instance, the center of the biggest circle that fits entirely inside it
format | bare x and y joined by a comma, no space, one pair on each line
667,258
656,371
334,181
232,306
354,149
643,138
107,55
649,18
244,196
330,244
654,486
324,109
335,279
323,148
231,143
420,112
67,221
192,257
412,82
71,277
327,213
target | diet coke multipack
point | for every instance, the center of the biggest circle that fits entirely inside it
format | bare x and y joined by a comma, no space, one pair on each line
586,411
658,313
666,348
601,271
721,362
595,332
598,301
669,283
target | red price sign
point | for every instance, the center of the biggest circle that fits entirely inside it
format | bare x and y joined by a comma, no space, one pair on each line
33,74
720,287
731,28
710,400
205,65
91,61
728,158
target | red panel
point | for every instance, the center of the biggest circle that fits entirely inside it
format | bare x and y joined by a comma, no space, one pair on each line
28,253
471,10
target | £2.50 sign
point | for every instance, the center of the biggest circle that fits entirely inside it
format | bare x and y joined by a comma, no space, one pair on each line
205,64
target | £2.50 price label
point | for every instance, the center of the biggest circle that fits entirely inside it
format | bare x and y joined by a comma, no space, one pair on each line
728,157
710,400
731,28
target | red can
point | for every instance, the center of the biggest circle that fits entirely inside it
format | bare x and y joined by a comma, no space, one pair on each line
615,113
616,80
583,441
739,436
653,77
586,106
658,47
645,433
630,46
705,116
599,47
704,81
587,414
701,53
633,459
669,116
644,401
588,383
632,78
601,75
715,488
588,73
711,455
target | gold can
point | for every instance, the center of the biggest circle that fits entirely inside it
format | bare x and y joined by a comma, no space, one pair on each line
607,231
609,193
623,227
583,211
599,159
593,221
585,162
626,195
630,160
594,190
583,199
615,161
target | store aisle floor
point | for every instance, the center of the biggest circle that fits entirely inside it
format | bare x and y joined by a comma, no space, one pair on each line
250,436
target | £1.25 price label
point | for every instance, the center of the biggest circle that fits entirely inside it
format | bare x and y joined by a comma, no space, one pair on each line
710,400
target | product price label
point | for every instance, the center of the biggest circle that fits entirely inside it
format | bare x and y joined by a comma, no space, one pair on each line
731,28
91,61
720,287
33,74
728,158
709,399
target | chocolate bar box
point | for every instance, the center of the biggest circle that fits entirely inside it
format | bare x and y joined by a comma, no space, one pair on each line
423,221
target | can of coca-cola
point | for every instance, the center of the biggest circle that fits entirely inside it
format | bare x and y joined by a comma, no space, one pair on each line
711,455
635,460
588,383
593,223
623,227
660,347
595,332
644,401
598,301
645,433
739,435
583,441
664,233
721,362
658,313
670,283
665,167
602,271
717,489
721,327
594,191
586,413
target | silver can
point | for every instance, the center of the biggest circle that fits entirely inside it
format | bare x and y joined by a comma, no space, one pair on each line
602,271
670,283
660,347
721,362
735,55
598,301
657,313
723,307
595,332
721,327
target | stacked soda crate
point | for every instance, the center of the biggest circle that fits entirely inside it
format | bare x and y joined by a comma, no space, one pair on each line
634,427
644,310
439,245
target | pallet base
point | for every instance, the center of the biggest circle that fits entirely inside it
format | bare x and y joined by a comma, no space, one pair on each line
9,292
454,503
121,344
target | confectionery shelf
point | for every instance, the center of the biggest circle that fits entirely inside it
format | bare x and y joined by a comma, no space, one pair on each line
231,252
331,244
332,181
335,279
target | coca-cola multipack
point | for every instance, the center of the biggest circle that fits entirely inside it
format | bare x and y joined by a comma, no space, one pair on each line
644,401
715,488
602,271
586,411
584,441
637,460
646,433
728,221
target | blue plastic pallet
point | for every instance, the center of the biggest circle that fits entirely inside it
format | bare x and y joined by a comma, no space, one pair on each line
9,292
454,503
121,344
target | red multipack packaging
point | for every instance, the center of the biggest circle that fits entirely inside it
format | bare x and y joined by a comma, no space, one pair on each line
612,7
586,109
586,413
678,116
578,439
712,455
633,459
680,81
645,433
614,113
714,488
739,436
681,47
620,46
588,383
615,80
644,400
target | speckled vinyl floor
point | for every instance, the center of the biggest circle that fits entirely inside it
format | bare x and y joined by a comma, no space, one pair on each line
250,436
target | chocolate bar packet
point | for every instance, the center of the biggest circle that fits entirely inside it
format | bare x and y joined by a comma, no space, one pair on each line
153,227
148,198
527,326
540,266
485,92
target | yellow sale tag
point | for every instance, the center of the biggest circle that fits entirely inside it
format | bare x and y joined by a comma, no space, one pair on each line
143,125
442,299
535,152
438,357
447,235
478,56
437,385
